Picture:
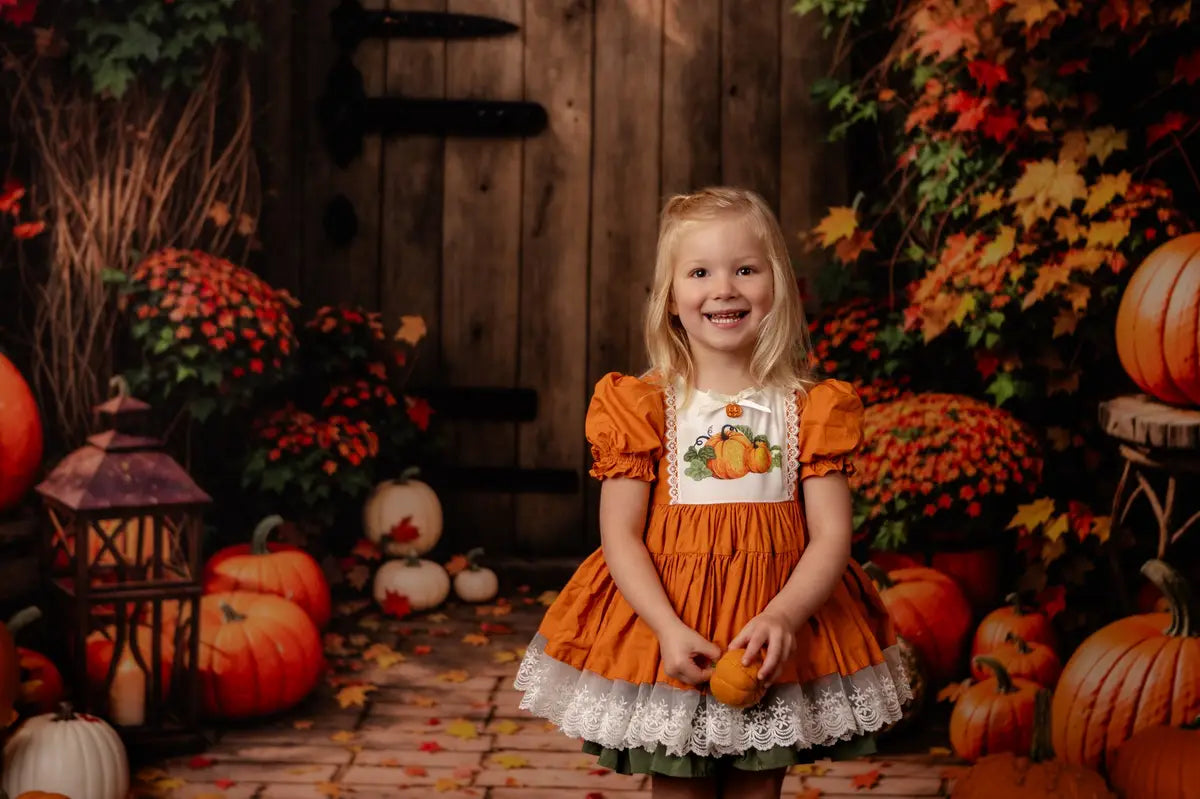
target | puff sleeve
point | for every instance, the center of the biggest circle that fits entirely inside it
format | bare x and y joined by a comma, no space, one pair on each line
831,421
625,424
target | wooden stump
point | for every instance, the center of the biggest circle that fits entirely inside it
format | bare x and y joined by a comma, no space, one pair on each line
1138,419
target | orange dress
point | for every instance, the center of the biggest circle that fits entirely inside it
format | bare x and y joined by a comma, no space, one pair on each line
725,530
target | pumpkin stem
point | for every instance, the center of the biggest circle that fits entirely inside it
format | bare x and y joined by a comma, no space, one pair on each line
878,575
23,618
229,615
65,712
1178,594
1004,681
408,474
262,531
412,558
1042,748
118,386
1194,724
1019,607
1020,643
473,556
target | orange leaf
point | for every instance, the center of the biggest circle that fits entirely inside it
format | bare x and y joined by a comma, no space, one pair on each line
444,784
475,639
415,771
422,649
430,746
809,793
1173,122
839,223
27,230
224,784
848,250
953,691
412,330
868,780
494,628
343,736
218,212
454,675
355,695
423,701
329,789
303,724
945,38
457,564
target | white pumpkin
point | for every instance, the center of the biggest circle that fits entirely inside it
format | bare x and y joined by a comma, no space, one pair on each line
425,583
407,506
476,583
75,754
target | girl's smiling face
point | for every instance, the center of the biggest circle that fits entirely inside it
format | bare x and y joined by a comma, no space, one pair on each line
722,287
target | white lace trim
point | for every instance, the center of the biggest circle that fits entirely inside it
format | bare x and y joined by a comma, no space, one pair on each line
672,444
792,419
621,715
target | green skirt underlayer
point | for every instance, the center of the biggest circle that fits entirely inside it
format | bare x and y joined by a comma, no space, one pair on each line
640,761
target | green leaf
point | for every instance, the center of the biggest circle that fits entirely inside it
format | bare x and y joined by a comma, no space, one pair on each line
183,372
1002,388
110,276
202,407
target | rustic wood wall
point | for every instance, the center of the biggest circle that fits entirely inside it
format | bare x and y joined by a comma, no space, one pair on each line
530,259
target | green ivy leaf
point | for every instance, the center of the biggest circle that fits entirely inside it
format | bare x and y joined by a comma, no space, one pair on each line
202,407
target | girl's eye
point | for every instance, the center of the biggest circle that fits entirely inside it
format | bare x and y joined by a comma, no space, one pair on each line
747,269
699,273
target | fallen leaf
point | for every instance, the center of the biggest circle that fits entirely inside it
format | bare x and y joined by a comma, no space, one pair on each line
422,649
359,640
456,564
461,728
506,727
330,789
475,639
454,675
867,779
415,771
504,656
809,793
303,724
369,622
437,618
336,645
940,751
430,746
354,695
510,761
224,784
464,772
168,784
200,761
512,782
441,632
494,628
598,772
412,330
396,604
383,655
343,736
810,769
444,784
594,795
421,700
390,762
366,549
547,598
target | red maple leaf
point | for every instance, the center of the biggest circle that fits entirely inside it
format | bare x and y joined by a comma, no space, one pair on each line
1173,122
403,531
419,412
20,12
224,784
395,604
868,780
1053,600
430,746
493,628
200,761
987,74
999,125
971,110
946,39
366,549
1187,67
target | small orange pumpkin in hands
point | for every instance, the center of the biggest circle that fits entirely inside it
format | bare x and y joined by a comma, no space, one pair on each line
734,684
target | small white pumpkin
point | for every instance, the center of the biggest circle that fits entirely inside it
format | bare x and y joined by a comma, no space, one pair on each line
407,507
96,765
476,583
425,583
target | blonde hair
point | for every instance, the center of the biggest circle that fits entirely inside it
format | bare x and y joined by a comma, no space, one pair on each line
780,355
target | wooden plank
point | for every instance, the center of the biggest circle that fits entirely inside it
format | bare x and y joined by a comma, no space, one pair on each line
411,214
554,267
813,170
626,146
691,102
481,239
348,274
750,94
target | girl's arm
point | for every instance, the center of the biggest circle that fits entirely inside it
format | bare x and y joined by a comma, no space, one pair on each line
623,503
827,514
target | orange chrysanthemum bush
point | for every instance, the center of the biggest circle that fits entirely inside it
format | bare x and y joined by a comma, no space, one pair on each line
854,341
941,465
212,335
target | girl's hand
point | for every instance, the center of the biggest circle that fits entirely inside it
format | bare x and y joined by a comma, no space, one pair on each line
770,630
686,655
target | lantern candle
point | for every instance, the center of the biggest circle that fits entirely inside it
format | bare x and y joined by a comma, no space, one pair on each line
127,693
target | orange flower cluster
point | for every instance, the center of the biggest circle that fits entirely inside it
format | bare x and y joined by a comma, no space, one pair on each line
941,457
846,344
358,393
329,319
330,443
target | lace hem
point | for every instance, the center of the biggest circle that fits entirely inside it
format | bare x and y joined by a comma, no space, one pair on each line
823,466
615,464
619,715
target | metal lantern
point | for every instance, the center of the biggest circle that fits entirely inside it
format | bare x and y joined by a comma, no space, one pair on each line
122,555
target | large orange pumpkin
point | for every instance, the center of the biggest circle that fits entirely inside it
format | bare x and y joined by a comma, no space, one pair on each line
259,654
1160,761
1134,673
269,568
1158,322
1035,775
732,458
1014,619
977,571
995,715
20,435
930,611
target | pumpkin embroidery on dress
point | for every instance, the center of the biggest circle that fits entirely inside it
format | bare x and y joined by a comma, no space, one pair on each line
732,452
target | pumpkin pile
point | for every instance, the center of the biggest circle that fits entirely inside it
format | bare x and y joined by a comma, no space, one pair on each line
20,435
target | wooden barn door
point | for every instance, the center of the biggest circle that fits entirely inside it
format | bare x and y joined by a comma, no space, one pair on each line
530,259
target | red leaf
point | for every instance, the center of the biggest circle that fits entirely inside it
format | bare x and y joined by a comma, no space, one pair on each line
397,605
27,230
430,746
10,196
1187,67
404,531
494,628
1053,600
366,549
987,74
1173,122
868,780
971,110
419,412
999,125
594,795
224,784
19,13
200,761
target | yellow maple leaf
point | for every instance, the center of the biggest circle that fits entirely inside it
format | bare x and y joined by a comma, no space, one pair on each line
475,639
1057,527
444,784
940,751
1087,260
454,675
839,223
510,761
368,622
810,769
506,727
423,701
1049,277
383,655
547,598
1104,189
343,736
504,656
329,789
965,306
1104,141
412,330
989,202
461,728
1044,187
998,247
218,212
354,695
1053,550
1065,322
1031,12
1068,229
1074,147
1108,234
1078,295
1032,515
1102,527
166,785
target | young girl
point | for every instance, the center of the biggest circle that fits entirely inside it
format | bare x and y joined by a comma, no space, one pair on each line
725,525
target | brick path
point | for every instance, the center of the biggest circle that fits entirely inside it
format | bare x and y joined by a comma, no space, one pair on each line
444,722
